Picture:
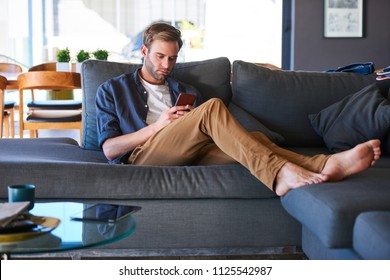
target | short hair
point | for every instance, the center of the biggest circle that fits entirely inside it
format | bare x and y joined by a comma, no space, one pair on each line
162,31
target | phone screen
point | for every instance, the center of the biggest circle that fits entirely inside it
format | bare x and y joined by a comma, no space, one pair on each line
185,99
108,213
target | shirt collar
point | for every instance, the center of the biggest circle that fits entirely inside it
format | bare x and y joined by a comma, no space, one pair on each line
174,86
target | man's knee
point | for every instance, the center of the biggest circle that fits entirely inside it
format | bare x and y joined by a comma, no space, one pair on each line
211,108
214,102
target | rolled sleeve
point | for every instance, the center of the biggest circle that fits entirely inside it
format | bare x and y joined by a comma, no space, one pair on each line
107,120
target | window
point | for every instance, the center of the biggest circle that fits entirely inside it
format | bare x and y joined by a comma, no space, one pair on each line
249,30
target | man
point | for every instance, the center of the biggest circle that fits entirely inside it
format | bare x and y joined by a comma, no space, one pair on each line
137,124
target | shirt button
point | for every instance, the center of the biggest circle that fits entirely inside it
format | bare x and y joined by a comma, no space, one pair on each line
146,106
145,92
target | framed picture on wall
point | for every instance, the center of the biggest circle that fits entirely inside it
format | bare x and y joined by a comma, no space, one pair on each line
343,19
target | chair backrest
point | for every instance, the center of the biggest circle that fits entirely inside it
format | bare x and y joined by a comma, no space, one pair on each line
3,82
3,85
10,68
48,66
49,80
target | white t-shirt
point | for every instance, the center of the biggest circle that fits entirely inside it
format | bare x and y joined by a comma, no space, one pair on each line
159,99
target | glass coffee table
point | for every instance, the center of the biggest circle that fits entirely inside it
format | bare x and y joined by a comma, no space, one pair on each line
69,234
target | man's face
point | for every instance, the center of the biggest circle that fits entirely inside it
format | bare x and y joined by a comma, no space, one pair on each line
159,61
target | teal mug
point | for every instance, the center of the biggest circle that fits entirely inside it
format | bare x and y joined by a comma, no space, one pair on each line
22,193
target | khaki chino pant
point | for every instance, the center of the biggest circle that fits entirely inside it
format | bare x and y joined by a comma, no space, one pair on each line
209,134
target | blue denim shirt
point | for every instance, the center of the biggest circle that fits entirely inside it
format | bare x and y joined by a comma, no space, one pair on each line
121,106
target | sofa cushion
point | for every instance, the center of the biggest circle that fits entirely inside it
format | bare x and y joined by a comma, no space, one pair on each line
60,169
66,180
371,235
45,150
282,100
251,124
355,119
329,209
314,249
210,77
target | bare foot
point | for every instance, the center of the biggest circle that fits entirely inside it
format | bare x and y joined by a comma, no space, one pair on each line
292,176
352,161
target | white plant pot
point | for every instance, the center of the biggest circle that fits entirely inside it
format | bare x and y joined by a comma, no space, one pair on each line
78,67
63,66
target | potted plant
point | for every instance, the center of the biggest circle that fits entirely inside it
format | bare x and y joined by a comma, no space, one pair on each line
100,54
80,57
63,59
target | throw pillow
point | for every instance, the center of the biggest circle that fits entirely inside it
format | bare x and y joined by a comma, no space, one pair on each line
250,123
283,99
355,119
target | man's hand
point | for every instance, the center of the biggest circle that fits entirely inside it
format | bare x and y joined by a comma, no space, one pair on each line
171,114
118,146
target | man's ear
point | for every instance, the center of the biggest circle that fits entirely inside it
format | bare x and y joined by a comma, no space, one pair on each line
144,50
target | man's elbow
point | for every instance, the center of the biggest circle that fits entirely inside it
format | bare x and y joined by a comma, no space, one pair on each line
109,152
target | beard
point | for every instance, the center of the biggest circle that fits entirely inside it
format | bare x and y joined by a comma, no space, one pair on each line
157,74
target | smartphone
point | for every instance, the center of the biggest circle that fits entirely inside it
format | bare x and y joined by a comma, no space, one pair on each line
185,99
105,213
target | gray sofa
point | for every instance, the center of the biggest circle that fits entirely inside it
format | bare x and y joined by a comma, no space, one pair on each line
209,210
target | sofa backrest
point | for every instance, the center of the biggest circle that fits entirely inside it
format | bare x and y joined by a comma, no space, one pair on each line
282,100
211,77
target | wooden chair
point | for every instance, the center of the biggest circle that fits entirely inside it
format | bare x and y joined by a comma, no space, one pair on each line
47,66
9,107
10,68
3,116
54,114
9,119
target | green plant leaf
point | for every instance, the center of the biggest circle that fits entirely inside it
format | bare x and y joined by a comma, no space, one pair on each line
100,54
82,55
63,55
